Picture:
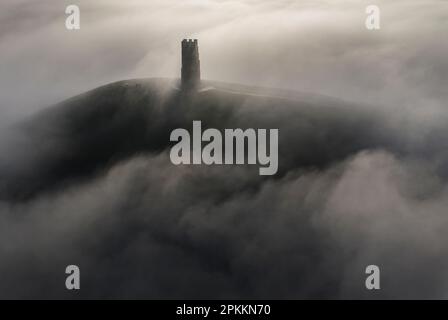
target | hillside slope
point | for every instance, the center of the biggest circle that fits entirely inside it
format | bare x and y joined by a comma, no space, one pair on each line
87,134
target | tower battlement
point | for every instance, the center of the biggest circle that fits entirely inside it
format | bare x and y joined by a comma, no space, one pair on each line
190,43
191,72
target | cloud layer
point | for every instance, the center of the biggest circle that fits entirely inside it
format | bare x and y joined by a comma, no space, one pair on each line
354,188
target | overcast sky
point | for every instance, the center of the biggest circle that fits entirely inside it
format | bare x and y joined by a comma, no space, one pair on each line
316,46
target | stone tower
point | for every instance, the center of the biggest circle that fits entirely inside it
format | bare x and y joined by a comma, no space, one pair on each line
191,71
